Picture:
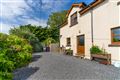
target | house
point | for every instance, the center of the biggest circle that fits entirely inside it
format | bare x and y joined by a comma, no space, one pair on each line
97,23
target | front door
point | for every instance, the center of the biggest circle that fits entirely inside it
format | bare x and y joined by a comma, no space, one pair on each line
81,45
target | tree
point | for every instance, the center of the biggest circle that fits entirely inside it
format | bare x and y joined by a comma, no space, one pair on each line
54,20
42,33
48,41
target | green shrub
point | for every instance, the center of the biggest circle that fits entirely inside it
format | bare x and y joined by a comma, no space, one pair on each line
3,40
19,48
6,65
69,52
6,76
14,52
27,48
95,50
30,37
38,47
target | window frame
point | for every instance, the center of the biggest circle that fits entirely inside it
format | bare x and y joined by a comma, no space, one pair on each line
112,36
73,20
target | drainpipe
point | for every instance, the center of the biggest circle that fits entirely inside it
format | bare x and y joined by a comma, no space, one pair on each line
92,26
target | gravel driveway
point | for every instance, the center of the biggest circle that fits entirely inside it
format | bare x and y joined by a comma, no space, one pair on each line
54,66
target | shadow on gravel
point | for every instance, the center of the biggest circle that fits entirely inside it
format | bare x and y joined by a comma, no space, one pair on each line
36,57
24,73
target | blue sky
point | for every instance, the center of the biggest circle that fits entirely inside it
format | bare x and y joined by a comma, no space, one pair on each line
19,12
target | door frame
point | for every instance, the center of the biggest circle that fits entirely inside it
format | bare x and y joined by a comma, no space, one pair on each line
77,42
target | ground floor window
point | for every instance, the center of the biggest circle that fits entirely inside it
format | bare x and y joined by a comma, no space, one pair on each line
115,34
68,41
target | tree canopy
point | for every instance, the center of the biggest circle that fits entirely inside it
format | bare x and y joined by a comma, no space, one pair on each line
54,20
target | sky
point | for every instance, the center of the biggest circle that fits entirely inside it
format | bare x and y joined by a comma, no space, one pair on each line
14,13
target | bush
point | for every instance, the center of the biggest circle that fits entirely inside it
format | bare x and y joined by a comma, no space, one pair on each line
69,52
6,76
30,37
19,49
95,50
14,52
6,65
38,47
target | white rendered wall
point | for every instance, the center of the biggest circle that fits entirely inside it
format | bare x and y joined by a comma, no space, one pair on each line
71,32
105,17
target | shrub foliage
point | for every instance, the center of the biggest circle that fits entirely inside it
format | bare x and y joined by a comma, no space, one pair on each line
14,52
25,33
95,50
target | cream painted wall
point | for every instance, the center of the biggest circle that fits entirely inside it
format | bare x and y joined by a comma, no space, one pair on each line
105,17
85,27
71,32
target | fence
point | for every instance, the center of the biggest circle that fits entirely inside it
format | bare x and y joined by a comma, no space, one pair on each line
54,47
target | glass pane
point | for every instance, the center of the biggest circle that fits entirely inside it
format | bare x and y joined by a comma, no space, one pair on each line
68,41
116,34
74,19
81,40
116,31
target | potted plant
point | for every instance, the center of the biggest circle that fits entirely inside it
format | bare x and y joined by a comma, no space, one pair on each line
69,52
95,50
101,54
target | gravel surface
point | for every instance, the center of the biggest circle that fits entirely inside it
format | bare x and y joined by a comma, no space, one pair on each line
54,66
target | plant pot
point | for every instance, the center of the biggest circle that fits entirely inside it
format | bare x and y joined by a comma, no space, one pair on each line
69,52
105,58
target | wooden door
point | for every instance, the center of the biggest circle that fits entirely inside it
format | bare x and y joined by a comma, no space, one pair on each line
81,45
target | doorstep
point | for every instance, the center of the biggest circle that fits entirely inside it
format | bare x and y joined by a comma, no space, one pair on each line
79,56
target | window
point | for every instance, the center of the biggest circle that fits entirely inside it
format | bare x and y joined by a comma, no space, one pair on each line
68,41
115,32
74,19
81,40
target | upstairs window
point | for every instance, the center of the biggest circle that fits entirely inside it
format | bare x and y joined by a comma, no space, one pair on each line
68,41
115,32
74,19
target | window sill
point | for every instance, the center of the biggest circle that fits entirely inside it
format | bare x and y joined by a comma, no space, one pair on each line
114,45
68,45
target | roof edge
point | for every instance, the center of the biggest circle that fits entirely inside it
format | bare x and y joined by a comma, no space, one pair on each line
90,6
82,4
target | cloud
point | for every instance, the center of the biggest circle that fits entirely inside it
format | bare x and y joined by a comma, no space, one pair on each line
36,12
10,11
14,13
39,22
4,28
